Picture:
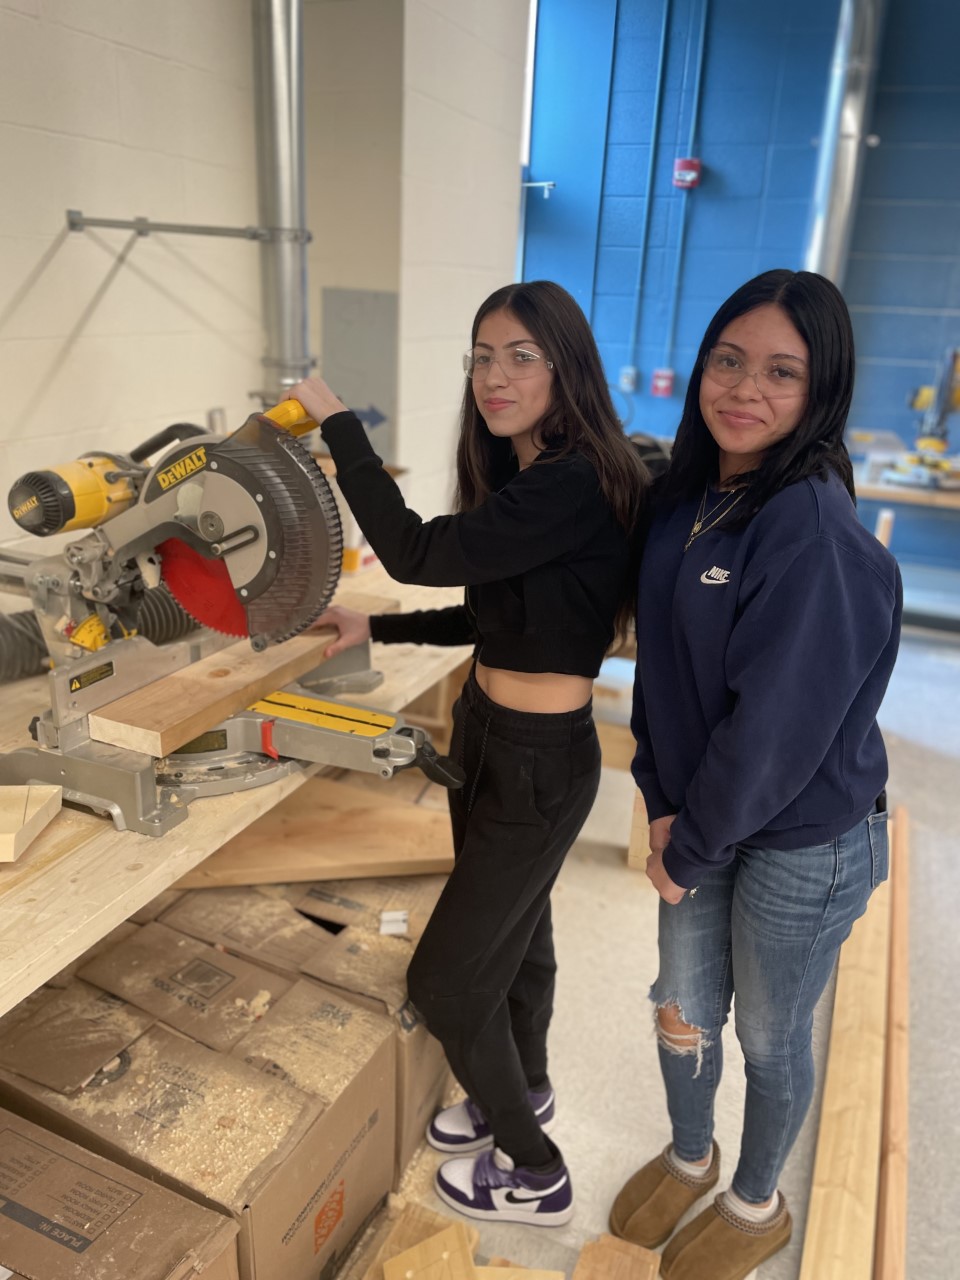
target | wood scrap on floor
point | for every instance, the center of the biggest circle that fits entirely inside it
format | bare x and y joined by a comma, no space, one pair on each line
329,830
24,812
509,1271
410,1225
611,1259
445,1256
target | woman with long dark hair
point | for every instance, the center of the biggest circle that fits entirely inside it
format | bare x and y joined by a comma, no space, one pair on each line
767,632
548,497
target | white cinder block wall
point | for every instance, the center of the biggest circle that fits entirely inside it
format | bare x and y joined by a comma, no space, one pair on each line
123,108
462,121
145,107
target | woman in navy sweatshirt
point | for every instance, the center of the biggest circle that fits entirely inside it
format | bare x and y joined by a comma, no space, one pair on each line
768,625
549,492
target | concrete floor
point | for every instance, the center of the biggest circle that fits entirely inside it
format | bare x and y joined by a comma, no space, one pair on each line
611,1116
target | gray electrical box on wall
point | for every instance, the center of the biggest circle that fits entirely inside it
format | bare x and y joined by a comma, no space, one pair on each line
359,359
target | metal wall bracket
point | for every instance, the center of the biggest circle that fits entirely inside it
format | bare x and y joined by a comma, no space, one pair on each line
545,187
77,221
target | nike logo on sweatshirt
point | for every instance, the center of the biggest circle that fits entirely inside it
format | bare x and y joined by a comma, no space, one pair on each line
715,577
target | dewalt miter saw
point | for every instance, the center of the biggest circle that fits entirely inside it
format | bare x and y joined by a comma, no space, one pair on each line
244,534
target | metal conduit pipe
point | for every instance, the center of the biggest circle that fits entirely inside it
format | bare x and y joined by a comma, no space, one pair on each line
685,195
856,54
651,172
278,44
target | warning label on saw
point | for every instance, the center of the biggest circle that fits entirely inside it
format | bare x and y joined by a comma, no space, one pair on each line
93,676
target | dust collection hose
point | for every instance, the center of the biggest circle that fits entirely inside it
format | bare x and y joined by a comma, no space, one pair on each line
23,652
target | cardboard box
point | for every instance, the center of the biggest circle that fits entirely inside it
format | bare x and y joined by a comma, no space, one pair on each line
106,943
299,1177
70,1215
155,908
258,924
396,905
372,970
357,552
315,1040
62,1038
208,994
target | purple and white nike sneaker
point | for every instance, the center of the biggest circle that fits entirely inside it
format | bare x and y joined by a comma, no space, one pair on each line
489,1186
463,1127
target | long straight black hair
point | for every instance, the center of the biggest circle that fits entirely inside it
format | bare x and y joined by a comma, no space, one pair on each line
815,446
580,417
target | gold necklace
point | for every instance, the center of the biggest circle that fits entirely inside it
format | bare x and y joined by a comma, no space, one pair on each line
699,526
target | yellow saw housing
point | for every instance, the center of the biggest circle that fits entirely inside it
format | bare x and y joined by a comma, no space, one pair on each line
77,495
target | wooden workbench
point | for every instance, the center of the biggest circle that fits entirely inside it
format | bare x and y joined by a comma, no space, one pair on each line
81,877
911,496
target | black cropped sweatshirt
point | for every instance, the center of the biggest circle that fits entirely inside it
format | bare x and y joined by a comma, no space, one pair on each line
544,562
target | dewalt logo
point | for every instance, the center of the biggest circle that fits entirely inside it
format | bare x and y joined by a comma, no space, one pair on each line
31,504
182,468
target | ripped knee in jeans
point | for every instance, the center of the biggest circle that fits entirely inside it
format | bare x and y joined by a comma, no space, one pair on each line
679,1037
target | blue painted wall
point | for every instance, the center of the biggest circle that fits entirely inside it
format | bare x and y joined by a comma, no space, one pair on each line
765,75
903,278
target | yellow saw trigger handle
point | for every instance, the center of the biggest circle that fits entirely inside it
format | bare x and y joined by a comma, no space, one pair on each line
290,415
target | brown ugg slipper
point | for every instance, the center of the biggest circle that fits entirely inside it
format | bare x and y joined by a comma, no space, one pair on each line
719,1245
655,1199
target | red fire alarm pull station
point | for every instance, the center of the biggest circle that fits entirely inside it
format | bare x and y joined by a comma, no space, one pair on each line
686,172
661,383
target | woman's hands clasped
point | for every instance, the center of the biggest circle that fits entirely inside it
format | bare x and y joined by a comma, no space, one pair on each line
656,872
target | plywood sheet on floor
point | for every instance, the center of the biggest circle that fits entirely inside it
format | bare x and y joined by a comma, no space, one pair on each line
329,830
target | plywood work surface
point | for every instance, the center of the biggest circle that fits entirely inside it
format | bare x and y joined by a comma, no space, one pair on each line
80,877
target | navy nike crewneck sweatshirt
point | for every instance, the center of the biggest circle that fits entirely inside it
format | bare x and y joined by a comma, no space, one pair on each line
764,654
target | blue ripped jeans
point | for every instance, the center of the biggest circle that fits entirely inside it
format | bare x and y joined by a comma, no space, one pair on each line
767,927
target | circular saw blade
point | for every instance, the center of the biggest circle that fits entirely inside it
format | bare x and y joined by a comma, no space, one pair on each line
302,548
202,588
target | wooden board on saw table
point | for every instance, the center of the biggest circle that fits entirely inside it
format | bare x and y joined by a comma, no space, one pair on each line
177,708
329,830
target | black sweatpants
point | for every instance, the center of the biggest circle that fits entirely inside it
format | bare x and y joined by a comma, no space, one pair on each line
483,974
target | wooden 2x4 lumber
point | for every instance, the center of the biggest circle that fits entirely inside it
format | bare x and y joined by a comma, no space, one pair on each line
842,1211
162,716
891,1242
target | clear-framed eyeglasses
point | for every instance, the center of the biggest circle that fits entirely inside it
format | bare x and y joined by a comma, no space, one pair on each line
514,362
779,380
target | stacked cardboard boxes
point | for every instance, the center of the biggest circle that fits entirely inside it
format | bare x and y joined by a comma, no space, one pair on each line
169,1083
246,1056
66,1214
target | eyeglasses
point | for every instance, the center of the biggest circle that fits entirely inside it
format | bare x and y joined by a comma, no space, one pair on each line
778,381
514,362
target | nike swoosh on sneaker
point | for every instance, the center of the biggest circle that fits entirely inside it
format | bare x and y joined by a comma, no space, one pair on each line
530,1197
